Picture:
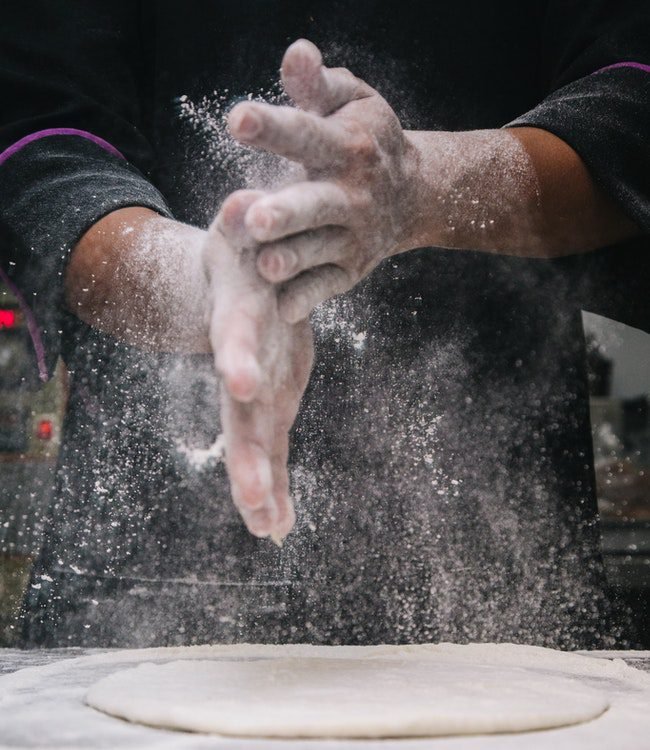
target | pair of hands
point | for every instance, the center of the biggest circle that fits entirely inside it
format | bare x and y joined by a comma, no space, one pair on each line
272,257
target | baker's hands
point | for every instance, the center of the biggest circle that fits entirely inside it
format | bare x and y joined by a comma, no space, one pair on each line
264,363
320,236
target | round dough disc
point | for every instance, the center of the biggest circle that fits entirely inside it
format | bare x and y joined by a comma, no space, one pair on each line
406,695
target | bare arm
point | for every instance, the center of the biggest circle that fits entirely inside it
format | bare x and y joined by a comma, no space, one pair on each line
520,191
141,278
373,190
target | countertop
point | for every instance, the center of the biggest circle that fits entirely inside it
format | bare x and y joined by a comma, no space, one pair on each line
42,706
13,659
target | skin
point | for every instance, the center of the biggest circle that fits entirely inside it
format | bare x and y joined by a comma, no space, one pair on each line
130,276
365,190
373,190
264,363
162,285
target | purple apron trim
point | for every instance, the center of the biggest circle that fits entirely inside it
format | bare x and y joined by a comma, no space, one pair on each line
638,66
15,148
32,327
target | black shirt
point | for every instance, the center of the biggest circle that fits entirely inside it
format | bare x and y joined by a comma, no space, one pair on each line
442,456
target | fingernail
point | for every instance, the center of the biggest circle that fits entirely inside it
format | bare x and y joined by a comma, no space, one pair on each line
246,124
266,218
303,54
259,523
280,263
271,265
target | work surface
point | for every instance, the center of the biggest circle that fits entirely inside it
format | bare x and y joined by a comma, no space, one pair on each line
41,706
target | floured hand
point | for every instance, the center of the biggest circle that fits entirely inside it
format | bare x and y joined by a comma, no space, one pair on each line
322,235
264,363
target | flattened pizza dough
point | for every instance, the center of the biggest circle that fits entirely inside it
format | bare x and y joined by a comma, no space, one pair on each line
349,692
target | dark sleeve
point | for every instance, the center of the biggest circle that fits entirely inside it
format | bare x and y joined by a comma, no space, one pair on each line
596,70
71,145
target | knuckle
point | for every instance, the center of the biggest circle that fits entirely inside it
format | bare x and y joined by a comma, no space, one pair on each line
362,146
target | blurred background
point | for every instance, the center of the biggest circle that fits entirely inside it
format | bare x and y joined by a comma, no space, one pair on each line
619,364
619,361
31,415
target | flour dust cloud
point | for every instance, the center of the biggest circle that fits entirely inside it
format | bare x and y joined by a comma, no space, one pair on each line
423,460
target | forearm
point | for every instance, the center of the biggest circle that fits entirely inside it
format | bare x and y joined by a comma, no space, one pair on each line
140,278
519,192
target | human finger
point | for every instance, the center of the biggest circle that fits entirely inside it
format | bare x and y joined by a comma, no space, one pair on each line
260,523
286,516
300,352
229,221
301,295
250,475
235,336
237,313
314,141
246,430
284,259
312,86
298,208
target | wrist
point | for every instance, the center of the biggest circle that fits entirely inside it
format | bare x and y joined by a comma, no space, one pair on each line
470,190
423,220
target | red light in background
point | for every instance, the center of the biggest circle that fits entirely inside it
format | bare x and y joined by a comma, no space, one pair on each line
8,318
44,429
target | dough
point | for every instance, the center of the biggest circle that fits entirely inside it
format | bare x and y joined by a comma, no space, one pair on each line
348,692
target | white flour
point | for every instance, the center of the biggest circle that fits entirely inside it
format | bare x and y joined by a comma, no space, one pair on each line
43,706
